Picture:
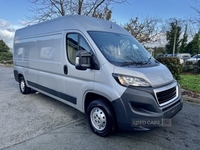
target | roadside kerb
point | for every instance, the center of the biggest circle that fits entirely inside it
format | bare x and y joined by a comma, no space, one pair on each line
190,99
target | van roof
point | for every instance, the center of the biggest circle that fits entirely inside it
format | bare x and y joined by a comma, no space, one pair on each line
73,22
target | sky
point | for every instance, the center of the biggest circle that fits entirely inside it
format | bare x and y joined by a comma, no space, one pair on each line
13,13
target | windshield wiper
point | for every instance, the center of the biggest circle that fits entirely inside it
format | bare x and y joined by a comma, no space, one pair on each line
130,63
148,61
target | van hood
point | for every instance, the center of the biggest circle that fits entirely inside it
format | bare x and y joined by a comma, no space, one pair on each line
156,75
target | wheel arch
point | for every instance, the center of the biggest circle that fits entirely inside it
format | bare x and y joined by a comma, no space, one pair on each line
17,75
93,97
20,75
90,97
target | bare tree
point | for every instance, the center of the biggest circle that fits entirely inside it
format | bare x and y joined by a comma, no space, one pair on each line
197,7
49,9
146,30
196,18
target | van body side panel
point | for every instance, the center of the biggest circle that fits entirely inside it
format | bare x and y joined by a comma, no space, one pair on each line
24,53
75,84
48,62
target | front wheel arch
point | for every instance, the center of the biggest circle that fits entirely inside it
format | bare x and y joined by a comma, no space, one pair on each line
101,117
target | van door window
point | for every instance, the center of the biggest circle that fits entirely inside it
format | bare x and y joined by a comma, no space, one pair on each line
72,47
75,42
83,45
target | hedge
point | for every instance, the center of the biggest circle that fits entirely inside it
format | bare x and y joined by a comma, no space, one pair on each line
173,64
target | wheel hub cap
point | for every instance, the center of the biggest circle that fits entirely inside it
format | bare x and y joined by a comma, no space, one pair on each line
98,118
22,85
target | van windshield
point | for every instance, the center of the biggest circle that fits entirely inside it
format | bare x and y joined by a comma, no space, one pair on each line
120,49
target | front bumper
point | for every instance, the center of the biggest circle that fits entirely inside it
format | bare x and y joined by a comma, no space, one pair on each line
138,109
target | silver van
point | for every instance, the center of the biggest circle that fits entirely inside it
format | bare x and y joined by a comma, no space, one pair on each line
98,68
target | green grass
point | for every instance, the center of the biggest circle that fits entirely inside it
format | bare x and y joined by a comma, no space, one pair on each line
190,82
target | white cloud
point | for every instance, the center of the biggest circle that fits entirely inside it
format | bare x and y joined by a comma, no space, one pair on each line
7,32
3,23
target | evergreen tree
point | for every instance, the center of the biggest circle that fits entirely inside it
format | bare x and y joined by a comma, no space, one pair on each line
5,54
193,47
184,41
3,47
159,51
173,33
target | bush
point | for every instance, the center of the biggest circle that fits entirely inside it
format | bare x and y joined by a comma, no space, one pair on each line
191,67
188,66
197,67
6,57
173,64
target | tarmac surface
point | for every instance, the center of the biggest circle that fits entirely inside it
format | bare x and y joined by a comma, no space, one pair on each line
38,122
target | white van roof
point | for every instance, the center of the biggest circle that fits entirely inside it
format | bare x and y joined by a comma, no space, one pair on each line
73,22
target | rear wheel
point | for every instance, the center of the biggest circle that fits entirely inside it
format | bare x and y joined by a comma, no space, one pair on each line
101,117
22,86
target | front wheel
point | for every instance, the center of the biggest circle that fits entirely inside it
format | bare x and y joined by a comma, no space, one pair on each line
101,117
22,86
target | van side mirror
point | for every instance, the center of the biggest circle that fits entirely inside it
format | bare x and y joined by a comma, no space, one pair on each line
83,60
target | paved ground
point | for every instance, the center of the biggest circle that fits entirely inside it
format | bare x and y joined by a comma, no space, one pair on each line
37,122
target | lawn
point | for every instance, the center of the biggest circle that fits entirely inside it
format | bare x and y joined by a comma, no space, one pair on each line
190,82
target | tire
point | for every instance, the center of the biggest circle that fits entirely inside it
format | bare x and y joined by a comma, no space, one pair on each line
101,117
22,86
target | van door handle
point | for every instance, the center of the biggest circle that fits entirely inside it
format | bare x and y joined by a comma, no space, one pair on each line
65,69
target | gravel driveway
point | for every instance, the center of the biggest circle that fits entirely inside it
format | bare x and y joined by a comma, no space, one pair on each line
38,122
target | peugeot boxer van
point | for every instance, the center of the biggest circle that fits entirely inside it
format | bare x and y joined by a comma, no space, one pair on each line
98,68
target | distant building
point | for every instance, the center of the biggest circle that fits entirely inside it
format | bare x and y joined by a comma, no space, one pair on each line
151,51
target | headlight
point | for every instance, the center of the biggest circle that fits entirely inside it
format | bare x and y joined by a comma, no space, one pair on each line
134,81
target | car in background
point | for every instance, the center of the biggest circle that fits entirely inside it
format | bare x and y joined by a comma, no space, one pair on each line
170,55
194,59
159,55
183,57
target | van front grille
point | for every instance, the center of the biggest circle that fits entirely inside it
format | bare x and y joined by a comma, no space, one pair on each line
166,95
